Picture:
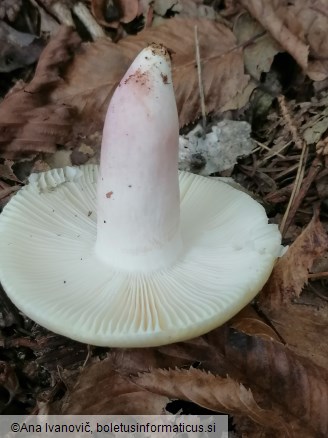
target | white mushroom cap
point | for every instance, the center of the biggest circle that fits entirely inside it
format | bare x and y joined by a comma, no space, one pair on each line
197,266
50,271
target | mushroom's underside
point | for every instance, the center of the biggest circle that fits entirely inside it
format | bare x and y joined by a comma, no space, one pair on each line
49,268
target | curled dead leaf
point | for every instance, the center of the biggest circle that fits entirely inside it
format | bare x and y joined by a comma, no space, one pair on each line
290,274
101,390
96,71
248,321
221,394
29,120
8,380
296,387
299,27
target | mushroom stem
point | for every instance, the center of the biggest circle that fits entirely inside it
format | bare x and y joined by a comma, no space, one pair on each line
138,225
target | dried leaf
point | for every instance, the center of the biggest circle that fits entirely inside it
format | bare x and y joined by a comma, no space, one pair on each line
5,193
29,121
322,147
113,372
17,49
294,384
260,47
248,321
8,380
299,27
10,9
103,391
290,273
123,11
304,328
209,391
129,9
95,72
196,8
6,171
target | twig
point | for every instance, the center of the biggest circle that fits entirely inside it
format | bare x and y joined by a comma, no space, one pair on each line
88,20
301,144
62,13
318,275
263,146
307,181
200,81
275,153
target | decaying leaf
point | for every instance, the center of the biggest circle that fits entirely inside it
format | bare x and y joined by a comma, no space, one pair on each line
6,171
322,147
96,71
248,321
296,387
109,386
221,394
45,118
6,191
8,380
290,273
299,27
103,391
304,327
17,49
260,47
196,8
29,120
110,15
10,9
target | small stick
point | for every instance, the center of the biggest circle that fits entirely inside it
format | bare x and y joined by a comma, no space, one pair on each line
308,180
200,82
276,153
318,275
88,20
301,144
262,145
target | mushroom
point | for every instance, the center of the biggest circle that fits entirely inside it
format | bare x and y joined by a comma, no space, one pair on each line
134,253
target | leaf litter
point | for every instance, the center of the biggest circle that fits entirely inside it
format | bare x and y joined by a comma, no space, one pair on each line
266,367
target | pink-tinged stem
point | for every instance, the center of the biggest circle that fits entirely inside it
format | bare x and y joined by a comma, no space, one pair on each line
138,191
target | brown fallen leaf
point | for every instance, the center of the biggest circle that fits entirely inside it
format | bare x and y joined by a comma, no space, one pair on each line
299,27
127,10
8,380
221,394
6,171
304,327
114,372
248,321
96,71
101,390
290,274
29,120
6,191
292,384
322,147
260,48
